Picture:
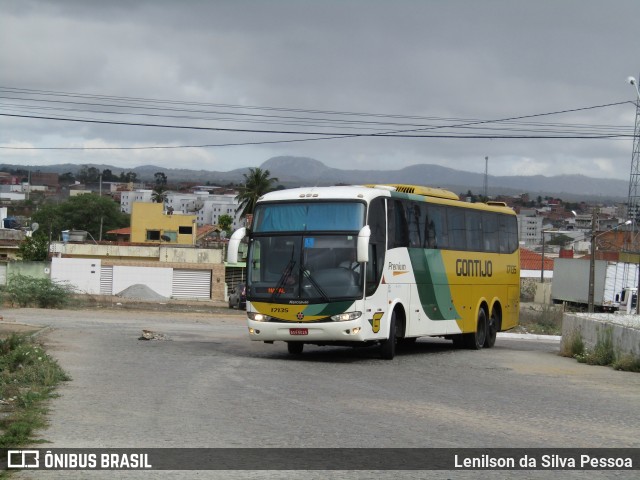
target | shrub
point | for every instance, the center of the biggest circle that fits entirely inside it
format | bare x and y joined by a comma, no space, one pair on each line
602,353
628,363
545,321
28,376
27,291
573,346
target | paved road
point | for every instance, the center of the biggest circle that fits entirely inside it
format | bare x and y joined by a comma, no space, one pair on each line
206,385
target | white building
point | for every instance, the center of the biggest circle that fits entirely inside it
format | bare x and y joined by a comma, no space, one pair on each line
216,206
207,207
127,198
530,230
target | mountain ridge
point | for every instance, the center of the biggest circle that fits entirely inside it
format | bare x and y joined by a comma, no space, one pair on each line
305,171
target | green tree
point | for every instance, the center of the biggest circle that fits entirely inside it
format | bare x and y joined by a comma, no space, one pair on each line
109,176
88,174
560,239
159,194
224,222
34,248
256,183
128,177
84,212
160,179
67,178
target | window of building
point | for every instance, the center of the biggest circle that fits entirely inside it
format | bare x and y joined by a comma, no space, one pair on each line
170,236
185,230
153,235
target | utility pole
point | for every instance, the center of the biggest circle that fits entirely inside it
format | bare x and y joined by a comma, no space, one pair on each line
634,178
592,262
633,203
486,178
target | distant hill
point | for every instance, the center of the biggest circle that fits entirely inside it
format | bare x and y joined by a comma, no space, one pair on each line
300,171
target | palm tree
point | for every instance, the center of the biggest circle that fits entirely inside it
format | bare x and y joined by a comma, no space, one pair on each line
256,183
159,194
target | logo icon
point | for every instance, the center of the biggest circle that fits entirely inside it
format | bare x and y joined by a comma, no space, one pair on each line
24,458
300,316
375,321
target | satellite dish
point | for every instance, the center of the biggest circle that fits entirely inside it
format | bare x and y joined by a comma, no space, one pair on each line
166,238
34,227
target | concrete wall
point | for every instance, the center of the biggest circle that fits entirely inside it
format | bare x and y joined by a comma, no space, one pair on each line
91,250
29,269
164,253
625,330
191,255
543,293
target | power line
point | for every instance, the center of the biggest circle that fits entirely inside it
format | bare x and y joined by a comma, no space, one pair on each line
509,124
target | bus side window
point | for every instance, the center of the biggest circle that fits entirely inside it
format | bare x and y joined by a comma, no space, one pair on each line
437,233
457,233
490,231
512,228
508,233
415,221
398,227
377,244
473,226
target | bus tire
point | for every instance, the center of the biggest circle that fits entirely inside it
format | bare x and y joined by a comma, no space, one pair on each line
475,340
295,348
388,347
492,330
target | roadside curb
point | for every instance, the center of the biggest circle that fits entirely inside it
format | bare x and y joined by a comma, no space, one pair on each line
38,329
531,336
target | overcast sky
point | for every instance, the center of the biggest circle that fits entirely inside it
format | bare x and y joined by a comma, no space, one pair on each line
338,77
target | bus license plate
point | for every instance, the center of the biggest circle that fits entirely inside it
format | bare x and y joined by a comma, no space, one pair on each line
298,331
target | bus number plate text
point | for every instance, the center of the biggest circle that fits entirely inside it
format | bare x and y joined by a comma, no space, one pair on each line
298,331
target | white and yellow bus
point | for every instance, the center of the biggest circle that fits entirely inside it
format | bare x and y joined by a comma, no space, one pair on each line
379,264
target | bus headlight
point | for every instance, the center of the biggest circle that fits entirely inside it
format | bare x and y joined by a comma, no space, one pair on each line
345,317
258,317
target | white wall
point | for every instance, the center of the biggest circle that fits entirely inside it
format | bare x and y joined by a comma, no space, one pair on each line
82,273
157,279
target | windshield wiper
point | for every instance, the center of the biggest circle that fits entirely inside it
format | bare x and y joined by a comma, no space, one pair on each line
286,273
307,275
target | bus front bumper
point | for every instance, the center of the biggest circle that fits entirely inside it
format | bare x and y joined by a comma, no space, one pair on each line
349,331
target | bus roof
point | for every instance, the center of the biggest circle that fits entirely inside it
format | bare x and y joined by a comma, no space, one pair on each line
371,191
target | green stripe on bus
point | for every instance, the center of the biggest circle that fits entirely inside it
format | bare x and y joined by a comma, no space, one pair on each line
327,309
432,284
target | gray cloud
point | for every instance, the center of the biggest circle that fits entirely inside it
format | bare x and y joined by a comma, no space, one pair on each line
457,59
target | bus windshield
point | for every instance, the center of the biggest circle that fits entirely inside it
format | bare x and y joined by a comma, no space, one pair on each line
315,268
303,216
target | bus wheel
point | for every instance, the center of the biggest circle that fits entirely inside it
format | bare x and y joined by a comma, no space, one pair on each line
388,347
492,330
475,340
295,348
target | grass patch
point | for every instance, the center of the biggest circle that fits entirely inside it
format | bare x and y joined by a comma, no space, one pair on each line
541,321
28,377
573,346
603,353
627,363
24,291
